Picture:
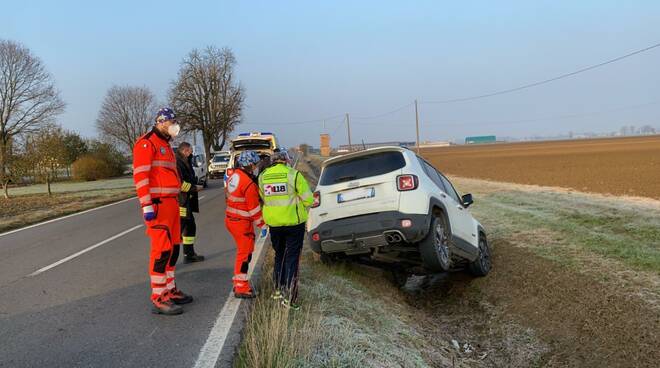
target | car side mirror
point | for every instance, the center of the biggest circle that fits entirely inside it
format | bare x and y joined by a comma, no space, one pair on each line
467,200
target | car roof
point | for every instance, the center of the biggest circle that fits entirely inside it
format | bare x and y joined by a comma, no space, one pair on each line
366,152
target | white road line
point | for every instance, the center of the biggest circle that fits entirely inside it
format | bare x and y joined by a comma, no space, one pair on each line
44,269
208,356
66,217
200,198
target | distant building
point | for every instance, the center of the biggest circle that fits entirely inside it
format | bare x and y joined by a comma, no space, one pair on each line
480,139
361,146
428,144
325,145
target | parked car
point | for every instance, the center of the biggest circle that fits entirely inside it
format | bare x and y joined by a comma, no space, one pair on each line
263,143
218,164
392,208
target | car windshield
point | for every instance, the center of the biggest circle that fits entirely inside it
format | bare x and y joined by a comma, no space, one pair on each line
222,158
362,167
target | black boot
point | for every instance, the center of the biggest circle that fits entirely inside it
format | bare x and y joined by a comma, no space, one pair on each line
190,255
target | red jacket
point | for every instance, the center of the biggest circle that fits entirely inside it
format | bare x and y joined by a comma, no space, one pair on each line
242,195
154,168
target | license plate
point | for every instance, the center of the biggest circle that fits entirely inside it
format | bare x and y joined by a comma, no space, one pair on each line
355,194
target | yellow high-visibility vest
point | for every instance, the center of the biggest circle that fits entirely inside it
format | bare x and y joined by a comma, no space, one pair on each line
286,196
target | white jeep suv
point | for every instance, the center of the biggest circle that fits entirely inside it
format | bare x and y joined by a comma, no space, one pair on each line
392,208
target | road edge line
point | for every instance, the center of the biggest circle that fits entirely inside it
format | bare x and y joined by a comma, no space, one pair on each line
215,343
65,217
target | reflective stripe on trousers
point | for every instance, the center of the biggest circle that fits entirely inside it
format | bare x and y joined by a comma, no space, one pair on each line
250,213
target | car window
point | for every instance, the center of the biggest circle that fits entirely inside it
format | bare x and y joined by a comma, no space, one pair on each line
362,167
432,174
450,189
220,158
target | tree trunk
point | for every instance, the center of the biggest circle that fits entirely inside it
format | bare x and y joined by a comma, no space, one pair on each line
3,163
207,151
48,184
5,188
221,144
208,141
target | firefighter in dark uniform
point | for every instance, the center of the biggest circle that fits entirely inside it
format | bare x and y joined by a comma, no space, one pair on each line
188,201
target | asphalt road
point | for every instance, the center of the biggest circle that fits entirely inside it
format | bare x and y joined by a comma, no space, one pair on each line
94,310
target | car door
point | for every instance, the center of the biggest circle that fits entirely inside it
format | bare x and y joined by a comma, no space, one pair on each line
462,224
453,212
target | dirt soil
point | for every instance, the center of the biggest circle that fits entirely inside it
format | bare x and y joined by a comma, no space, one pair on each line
582,322
621,166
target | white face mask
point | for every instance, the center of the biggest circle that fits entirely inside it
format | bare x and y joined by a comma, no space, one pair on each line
173,130
255,172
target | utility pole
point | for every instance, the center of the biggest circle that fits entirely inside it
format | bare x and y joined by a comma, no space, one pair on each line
417,125
348,126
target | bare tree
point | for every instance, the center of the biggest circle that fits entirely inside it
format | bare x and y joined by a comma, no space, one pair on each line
126,114
46,151
28,98
207,97
18,167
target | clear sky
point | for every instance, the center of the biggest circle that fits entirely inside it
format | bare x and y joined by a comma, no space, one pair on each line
306,60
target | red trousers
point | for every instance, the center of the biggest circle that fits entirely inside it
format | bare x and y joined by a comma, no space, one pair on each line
243,233
165,234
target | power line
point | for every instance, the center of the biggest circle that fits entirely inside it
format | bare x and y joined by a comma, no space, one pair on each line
529,120
328,119
338,126
534,84
476,97
383,114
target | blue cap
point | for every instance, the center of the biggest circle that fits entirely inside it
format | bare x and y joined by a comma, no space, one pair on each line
246,158
164,114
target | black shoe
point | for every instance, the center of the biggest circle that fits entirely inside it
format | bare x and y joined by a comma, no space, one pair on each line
178,297
193,258
166,307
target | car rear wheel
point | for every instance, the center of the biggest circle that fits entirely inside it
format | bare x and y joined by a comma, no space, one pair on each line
434,249
482,265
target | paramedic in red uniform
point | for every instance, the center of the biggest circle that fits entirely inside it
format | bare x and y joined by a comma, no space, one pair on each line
157,185
242,214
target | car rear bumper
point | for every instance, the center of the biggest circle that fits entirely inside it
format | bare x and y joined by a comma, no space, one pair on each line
359,234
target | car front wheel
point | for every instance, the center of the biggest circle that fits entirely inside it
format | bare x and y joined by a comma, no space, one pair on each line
482,265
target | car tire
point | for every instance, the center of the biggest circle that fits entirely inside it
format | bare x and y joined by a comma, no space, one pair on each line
434,249
482,265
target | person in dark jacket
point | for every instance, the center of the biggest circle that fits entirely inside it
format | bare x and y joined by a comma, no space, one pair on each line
188,201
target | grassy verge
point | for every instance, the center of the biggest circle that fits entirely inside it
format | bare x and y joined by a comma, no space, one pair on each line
611,229
29,205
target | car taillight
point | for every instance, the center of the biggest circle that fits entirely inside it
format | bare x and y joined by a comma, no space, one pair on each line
317,199
406,182
316,237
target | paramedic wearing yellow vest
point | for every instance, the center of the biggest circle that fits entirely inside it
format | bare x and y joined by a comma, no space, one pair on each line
286,197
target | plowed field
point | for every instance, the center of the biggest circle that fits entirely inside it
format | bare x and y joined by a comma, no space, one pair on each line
619,166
